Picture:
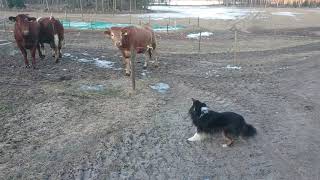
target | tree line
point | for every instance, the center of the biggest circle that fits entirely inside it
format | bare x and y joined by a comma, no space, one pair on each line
74,5
134,5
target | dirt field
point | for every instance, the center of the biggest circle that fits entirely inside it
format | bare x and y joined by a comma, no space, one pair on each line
75,120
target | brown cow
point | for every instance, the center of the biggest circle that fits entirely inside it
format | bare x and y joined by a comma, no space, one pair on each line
51,32
26,33
141,38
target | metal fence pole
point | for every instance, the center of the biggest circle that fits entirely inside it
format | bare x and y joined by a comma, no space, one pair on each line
199,47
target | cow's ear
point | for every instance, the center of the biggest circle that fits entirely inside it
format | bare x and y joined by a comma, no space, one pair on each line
107,32
32,19
13,19
124,32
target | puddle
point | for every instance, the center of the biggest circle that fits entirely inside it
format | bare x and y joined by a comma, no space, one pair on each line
233,67
67,54
161,87
104,63
85,54
84,60
197,35
4,42
92,88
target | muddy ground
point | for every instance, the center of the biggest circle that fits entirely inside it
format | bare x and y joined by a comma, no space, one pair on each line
53,126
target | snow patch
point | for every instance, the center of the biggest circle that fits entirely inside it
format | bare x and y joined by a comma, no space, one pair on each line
203,12
103,63
291,14
197,35
233,67
161,87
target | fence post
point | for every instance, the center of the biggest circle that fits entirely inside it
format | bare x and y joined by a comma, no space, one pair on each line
199,47
167,28
132,66
130,18
235,46
198,22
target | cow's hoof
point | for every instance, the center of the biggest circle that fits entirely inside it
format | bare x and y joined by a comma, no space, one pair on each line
57,61
42,57
34,67
127,74
156,65
28,66
60,55
145,67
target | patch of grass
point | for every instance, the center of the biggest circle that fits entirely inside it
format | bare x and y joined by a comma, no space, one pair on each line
4,108
110,92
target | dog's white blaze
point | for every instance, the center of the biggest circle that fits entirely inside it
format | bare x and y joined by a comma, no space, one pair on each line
56,40
204,109
197,137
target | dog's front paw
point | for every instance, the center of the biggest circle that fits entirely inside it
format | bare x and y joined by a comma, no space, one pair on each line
196,137
224,145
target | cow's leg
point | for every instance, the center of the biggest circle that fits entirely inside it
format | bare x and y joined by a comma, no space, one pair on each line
146,59
40,52
24,53
56,47
59,47
128,66
43,51
56,50
33,55
154,56
126,58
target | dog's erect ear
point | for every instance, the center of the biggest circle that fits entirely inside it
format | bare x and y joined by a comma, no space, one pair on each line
107,32
193,100
13,19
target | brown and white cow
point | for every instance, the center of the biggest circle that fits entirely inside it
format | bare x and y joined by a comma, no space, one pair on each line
141,38
26,34
51,32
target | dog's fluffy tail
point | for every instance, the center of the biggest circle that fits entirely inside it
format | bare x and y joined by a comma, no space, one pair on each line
248,130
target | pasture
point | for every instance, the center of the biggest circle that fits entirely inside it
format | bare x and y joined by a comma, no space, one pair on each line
79,118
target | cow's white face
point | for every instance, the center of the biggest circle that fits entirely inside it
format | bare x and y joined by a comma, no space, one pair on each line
115,35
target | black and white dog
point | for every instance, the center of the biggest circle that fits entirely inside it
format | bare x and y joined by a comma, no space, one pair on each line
207,121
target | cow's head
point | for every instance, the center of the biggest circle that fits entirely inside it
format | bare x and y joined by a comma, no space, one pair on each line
115,34
22,22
